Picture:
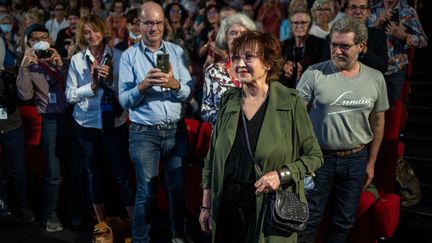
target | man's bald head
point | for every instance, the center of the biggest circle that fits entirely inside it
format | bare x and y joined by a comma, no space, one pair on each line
151,7
152,24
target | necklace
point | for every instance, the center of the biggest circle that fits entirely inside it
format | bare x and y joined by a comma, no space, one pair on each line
228,68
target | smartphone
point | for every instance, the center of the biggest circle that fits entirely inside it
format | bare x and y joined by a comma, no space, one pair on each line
163,62
395,16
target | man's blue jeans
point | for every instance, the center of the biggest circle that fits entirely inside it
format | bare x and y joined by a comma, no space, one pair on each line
345,178
52,143
148,145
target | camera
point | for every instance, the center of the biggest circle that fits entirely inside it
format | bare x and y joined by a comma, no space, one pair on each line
43,53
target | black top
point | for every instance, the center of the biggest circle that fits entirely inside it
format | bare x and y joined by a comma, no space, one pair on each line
239,167
238,196
10,118
63,39
310,53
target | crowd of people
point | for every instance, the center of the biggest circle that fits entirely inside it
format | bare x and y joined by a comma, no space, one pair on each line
112,81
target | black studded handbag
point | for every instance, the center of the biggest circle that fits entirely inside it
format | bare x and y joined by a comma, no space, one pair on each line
286,212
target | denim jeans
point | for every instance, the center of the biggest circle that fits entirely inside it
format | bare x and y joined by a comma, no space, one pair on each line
12,146
148,145
344,177
52,142
394,83
95,148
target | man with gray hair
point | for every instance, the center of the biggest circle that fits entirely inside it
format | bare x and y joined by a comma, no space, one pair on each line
346,101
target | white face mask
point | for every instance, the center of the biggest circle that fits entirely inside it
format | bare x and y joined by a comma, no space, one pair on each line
41,45
133,36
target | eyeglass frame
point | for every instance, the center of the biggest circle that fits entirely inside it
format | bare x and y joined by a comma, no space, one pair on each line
297,23
247,58
361,8
342,47
149,23
44,38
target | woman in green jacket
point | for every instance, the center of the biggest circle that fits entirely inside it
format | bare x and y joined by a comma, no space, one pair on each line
281,139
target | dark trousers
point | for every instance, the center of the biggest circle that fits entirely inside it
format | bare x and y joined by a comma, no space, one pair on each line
12,146
394,84
95,148
345,178
52,143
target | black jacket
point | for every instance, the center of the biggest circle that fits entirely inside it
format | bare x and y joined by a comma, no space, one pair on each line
312,53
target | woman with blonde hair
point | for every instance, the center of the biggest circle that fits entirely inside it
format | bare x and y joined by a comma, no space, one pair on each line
100,124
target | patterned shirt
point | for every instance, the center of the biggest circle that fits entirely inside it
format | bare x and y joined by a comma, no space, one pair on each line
397,48
217,81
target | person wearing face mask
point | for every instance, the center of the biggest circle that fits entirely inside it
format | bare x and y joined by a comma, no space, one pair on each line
10,40
134,32
65,43
41,77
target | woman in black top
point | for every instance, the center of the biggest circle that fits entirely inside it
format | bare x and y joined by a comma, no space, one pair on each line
301,50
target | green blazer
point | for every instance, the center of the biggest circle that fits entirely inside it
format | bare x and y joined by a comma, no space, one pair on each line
278,141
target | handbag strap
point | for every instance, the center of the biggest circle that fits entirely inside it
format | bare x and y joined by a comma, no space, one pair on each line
248,143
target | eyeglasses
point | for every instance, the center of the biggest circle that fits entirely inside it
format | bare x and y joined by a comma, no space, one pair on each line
136,23
175,11
40,38
300,22
149,23
247,58
233,34
361,8
342,47
323,9
212,13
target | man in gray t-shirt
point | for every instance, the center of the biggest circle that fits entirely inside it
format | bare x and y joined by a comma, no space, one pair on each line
346,101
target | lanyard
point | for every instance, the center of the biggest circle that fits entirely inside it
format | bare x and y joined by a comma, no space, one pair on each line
52,74
233,79
147,56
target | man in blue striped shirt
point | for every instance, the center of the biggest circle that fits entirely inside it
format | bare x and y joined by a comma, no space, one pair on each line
157,132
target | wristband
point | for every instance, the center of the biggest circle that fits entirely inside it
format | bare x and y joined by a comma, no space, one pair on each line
284,175
204,208
179,87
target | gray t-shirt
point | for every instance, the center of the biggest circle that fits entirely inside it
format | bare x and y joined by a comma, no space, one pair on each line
340,106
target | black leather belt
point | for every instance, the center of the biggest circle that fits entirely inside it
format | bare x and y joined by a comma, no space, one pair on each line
166,126
344,152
